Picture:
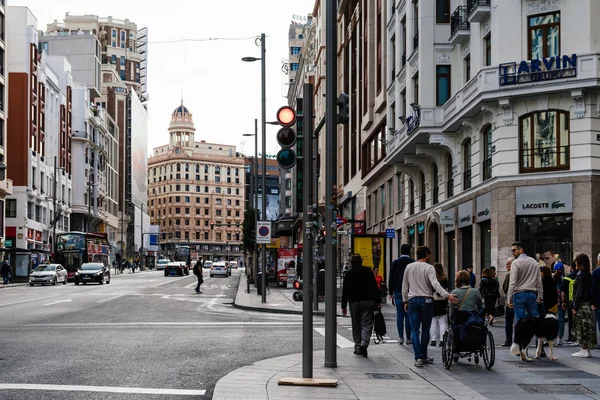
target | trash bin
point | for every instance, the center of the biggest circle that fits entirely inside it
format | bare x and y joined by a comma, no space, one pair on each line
259,283
321,282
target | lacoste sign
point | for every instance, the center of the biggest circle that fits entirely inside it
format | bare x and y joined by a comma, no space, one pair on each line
544,199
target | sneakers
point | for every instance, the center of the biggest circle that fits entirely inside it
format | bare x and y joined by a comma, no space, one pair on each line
428,360
418,363
408,341
401,341
432,344
559,342
506,344
582,354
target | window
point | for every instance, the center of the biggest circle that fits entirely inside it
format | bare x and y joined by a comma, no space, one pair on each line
449,177
382,191
288,184
288,201
295,51
467,68
411,195
422,188
435,180
11,208
217,170
544,36
122,60
467,164
487,41
400,188
487,152
379,28
114,59
443,84
293,66
416,88
442,12
373,150
544,141
390,199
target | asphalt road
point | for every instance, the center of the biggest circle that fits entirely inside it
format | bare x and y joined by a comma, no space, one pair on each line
143,336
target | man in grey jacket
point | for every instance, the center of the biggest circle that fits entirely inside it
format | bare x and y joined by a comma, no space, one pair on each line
525,285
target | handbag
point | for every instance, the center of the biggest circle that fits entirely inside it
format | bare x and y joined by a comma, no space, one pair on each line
379,327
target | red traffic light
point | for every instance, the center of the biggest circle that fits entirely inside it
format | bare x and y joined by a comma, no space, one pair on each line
286,116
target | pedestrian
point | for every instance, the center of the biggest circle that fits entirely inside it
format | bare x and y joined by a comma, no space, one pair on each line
509,312
559,270
5,269
395,289
439,323
419,284
583,329
567,293
525,285
198,272
378,277
490,291
596,293
360,290
472,277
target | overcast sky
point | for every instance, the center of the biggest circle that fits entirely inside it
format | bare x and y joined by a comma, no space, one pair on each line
221,91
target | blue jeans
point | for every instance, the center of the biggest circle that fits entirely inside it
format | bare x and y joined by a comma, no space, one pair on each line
525,304
561,323
5,277
598,317
420,311
508,328
402,318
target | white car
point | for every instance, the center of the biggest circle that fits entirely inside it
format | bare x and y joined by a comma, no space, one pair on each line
161,264
233,264
48,273
207,264
219,268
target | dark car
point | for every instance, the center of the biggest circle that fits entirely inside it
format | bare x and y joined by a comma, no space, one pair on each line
177,268
92,272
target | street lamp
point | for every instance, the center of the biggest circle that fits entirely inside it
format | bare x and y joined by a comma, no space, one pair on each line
56,215
264,151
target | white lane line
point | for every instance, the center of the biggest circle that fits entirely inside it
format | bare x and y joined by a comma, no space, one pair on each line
168,281
342,342
27,301
109,299
58,301
224,323
191,285
105,389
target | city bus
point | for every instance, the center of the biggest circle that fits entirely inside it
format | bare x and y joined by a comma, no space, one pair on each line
76,248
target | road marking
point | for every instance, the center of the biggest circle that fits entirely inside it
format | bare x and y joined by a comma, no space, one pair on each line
105,389
58,301
170,324
191,285
27,301
168,281
342,342
109,299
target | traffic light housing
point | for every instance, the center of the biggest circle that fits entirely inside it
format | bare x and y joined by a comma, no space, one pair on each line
286,137
343,104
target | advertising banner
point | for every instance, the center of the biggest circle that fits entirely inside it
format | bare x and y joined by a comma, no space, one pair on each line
372,250
286,260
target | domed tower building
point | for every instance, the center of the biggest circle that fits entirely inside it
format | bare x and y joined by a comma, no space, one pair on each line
196,194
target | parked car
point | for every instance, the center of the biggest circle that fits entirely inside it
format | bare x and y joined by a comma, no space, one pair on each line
176,268
92,272
219,268
161,264
48,273
233,264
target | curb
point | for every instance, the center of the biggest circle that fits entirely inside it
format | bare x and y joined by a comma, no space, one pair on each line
274,310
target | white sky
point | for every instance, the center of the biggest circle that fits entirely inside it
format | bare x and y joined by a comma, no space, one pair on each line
221,91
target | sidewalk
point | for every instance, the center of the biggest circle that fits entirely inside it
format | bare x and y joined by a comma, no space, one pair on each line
388,371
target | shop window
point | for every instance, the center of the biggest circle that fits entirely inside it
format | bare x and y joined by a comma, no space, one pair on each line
540,233
544,36
487,152
544,141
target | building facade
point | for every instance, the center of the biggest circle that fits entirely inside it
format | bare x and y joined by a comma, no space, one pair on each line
496,142
5,183
196,193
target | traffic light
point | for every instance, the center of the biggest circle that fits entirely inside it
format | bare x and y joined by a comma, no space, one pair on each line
286,137
343,104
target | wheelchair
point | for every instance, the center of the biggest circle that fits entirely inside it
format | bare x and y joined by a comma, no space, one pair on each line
453,349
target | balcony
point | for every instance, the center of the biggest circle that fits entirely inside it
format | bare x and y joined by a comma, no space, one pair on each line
487,169
479,10
460,29
545,159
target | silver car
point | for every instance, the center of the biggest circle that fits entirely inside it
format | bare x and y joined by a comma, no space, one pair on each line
48,273
219,268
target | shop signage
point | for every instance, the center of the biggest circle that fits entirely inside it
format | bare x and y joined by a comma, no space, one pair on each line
411,230
8,243
447,219
413,121
483,207
465,214
546,69
420,227
544,199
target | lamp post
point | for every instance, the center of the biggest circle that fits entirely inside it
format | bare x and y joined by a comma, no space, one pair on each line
54,188
264,151
254,178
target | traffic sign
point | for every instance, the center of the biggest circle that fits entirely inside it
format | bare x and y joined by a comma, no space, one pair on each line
390,233
263,232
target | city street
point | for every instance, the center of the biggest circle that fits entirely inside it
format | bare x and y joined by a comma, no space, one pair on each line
144,334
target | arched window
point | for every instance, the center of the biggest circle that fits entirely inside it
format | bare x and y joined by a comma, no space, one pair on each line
411,194
544,141
487,152
422,189
467,164
449,177
434,179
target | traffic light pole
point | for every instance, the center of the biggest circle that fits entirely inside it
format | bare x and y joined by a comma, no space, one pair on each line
263,214
307,250
331,122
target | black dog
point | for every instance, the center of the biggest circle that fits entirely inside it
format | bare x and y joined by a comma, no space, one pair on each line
544,328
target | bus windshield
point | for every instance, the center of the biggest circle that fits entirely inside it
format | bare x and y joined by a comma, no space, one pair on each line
76,248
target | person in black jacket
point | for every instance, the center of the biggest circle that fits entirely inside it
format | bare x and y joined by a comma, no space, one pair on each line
395,289
360,290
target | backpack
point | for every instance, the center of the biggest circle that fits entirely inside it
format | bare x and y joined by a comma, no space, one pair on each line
571,288
379,327
196,269
472,332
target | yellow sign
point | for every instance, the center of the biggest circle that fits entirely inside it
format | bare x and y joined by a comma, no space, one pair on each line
275,243
372,251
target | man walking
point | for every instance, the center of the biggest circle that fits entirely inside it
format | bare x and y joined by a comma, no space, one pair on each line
360,289
525,284
419,284
509,314
395,288
198,272
596,292
5,270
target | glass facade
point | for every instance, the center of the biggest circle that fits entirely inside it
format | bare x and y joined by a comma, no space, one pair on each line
543,233
544,36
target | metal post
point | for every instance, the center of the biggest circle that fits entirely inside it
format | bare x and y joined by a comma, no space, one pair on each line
255,195
89,219
251,201
330,182
263,214
307,250
142,229
315,190
54,212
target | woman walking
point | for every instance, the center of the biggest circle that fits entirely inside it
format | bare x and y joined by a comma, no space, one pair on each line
439,322
584,329
490,290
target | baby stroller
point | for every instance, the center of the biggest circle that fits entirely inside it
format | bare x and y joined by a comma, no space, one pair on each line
468,337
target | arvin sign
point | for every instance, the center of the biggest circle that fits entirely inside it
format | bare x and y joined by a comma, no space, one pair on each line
546,69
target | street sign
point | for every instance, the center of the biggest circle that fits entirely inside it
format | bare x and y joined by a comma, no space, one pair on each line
390,233
263,232
8,243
